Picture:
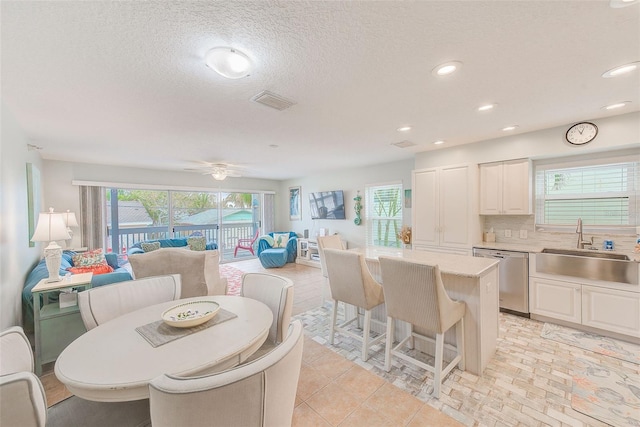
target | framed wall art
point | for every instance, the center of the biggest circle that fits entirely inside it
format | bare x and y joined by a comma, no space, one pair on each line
33,199
295,203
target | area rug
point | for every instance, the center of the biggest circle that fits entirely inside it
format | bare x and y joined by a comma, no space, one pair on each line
606,393
234,278
593,342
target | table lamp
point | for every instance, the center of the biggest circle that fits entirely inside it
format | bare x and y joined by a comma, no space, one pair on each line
70,221
49,229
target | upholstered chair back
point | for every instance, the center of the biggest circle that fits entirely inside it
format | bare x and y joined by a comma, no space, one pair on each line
257,394
350,280
277,293
415,293
331,242
23,401
199,270
99,305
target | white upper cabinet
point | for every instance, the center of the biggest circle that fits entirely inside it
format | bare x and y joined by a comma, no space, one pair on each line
443,214
505,188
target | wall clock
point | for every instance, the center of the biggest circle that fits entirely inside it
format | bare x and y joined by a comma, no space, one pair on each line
581,133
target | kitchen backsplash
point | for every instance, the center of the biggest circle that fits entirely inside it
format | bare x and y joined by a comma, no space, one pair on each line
553,239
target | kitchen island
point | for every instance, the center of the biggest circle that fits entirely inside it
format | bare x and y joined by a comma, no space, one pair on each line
469,279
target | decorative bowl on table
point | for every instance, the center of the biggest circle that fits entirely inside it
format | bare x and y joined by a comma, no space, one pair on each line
190,314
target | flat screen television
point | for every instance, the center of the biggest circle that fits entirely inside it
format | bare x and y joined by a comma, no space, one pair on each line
327,205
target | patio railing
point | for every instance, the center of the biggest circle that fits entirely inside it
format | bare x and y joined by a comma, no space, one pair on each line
225,236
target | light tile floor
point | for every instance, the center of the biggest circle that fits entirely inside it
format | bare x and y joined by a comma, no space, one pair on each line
528,382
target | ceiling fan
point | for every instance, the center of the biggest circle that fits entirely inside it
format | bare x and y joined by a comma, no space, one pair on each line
219,171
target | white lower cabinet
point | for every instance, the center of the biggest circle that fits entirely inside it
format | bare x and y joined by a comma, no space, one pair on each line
556,299
611,309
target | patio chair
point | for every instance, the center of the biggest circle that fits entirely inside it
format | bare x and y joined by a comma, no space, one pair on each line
247,244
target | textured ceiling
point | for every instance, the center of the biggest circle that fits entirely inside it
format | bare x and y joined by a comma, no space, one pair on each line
125,83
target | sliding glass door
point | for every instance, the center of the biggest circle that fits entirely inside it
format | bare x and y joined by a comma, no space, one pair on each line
241,215
222,217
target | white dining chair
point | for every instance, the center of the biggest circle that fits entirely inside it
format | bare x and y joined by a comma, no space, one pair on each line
352,283
101,304
260,393
23,402
414,293
277,293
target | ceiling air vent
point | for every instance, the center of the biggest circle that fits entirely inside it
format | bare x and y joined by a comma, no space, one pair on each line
272,100
404,144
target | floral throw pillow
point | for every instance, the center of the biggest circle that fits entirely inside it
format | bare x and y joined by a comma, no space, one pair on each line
280,240
197,243
95,269
89,258
150,246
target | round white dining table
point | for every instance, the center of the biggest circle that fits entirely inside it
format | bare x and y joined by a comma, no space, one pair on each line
114,363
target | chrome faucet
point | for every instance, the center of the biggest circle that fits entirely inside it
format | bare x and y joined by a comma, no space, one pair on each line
582,243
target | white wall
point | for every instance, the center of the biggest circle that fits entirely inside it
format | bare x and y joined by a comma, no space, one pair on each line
613,133
16,257
350,181
62,195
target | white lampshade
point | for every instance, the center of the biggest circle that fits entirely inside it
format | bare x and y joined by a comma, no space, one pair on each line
228,62
70,219
51,227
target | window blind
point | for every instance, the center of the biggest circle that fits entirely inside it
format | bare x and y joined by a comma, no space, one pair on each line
383,214
604,194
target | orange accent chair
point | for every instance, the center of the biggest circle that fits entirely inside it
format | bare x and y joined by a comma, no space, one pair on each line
246,244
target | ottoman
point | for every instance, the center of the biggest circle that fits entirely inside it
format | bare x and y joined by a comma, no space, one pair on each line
272,258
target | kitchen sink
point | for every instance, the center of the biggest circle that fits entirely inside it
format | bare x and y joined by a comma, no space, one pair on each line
604,266
606,255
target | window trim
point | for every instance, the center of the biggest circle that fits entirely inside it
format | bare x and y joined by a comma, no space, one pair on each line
368,218
586,161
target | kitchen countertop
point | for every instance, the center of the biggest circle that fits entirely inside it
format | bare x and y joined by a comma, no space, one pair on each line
457,265
508,247
537,249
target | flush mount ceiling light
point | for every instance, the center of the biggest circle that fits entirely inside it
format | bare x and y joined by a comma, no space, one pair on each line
228,62
617,105
623,69
404,129
487,107
446,69
508,128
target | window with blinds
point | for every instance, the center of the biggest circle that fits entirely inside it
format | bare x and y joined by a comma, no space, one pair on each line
383,214
604,195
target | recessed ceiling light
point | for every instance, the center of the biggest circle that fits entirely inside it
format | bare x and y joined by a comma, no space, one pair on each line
438,142
446,68
508,128
228,62
622,69
273,145
617,105
487,107
404,129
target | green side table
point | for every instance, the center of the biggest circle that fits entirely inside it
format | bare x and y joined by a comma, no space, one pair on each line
55,327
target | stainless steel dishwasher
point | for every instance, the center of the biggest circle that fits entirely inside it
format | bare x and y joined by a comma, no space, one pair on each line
514,279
